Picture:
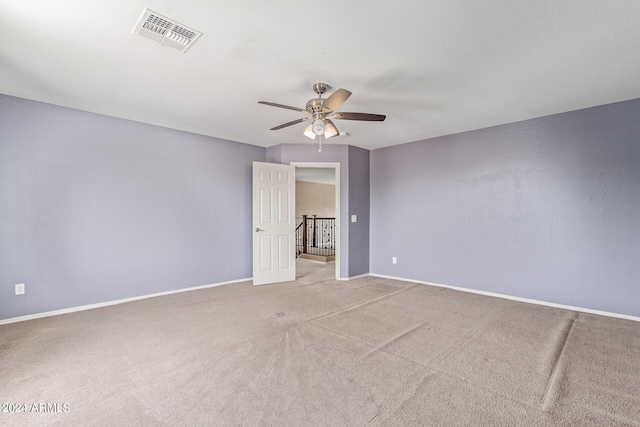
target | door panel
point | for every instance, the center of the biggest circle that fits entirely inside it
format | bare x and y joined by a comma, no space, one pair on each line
273,223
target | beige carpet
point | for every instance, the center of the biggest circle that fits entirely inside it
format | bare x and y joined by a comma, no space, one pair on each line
320,352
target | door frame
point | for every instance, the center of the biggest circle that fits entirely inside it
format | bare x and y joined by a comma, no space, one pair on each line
336,167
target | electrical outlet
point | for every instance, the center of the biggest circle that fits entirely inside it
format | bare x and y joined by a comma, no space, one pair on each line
20,289
394,260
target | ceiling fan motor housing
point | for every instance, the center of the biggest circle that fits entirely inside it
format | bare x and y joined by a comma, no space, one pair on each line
316,105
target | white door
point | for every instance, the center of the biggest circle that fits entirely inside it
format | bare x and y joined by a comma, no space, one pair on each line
274,207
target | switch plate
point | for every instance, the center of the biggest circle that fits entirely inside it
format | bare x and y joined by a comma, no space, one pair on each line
354,218
20,289
394,260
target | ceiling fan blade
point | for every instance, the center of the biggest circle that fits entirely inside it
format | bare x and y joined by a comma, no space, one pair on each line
367,117
336,99
330,130
273,104
293,122
308,132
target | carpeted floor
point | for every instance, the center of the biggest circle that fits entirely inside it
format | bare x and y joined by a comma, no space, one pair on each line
317,351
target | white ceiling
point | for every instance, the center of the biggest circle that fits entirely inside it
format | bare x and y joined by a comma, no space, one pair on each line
434,67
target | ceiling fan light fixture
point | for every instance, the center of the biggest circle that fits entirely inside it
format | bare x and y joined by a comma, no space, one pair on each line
318,127
330,129
308,132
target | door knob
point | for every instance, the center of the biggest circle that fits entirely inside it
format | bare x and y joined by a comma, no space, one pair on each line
258,229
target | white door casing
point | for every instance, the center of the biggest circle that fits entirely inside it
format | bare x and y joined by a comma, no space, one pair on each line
274,208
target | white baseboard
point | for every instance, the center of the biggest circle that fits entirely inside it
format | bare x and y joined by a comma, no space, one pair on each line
531,301
359,276
114,302
402,279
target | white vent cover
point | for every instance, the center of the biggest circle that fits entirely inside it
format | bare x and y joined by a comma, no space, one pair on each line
166,31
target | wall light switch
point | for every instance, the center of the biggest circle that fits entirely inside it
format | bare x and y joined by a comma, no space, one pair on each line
394,260
354,218
20,289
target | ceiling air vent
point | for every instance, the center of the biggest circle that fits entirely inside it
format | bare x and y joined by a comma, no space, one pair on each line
166,31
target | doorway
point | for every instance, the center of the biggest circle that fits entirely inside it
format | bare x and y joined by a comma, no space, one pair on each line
324,228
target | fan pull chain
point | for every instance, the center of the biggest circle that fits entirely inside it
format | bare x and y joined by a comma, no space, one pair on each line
319,143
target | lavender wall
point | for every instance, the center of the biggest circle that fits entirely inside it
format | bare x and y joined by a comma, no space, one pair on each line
354,195
94,208
359,205
547,209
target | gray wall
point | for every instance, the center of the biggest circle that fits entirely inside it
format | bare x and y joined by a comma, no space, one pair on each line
547,209
354,194
94,208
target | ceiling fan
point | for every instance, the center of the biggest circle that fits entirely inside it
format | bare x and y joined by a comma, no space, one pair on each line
322,111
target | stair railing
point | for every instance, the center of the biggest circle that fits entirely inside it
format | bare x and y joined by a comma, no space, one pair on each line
315,236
